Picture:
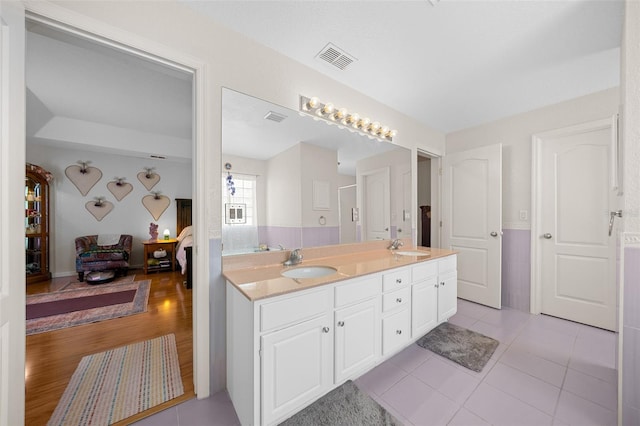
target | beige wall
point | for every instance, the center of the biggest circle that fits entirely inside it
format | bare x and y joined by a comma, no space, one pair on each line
630,71
514,133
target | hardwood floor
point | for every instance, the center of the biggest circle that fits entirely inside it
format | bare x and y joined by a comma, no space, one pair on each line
52,357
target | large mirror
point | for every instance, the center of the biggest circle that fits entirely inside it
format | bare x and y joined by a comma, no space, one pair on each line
293,181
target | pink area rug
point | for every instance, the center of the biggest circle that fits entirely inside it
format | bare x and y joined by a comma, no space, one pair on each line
72,283
69,308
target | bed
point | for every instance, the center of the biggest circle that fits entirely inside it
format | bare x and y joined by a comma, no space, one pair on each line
185,238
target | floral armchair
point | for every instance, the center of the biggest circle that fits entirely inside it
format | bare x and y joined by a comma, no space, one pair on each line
92,257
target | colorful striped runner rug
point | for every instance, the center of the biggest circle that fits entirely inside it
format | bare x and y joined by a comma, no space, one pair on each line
110,386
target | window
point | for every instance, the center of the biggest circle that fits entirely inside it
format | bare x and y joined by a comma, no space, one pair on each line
245,194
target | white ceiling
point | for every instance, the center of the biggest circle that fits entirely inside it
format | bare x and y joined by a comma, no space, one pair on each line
450,64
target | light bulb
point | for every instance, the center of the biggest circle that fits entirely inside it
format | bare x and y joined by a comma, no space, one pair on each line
363,123
340,114
313,103
392,134
384,131
327,109
374,127
353,119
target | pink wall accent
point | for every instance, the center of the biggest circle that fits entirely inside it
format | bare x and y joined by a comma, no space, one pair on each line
516,269
294,237
631,333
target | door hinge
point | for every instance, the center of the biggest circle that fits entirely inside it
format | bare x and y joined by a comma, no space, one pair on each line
440,224
440,171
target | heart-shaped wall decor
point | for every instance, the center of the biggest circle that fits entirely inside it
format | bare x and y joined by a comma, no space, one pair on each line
156,204
99,209
83,177
148,179
119,189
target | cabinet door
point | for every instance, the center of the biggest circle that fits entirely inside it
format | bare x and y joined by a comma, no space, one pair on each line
424,306
357,339
396,331
297,362
447,296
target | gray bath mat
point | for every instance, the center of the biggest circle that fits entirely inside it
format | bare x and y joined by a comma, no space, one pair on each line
465,347
345,405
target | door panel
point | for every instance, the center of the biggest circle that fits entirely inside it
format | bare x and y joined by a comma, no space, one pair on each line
357,339
577,270
296,367
472,221
376,205
12,260
404,231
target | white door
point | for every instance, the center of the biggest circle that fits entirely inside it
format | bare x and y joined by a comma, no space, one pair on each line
12,262
472,221
376,205
347,201
574,201
297,366
404,228
357,344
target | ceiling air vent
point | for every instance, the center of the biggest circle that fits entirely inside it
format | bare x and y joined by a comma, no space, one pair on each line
274,116
335,56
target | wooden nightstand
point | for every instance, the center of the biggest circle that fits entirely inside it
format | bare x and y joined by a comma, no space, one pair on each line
169,246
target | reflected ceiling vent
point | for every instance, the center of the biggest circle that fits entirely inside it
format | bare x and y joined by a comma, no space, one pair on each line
274,116
335,56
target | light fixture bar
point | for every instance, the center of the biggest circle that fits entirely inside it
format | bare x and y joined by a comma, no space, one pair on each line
328,112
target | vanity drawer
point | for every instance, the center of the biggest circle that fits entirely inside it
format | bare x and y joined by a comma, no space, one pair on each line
396,331
396,279
357,290
396,299
424,271
448,264
295,309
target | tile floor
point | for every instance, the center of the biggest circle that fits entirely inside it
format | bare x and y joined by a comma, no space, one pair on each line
546,371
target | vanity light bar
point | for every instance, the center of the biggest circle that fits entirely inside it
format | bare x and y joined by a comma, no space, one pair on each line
328,112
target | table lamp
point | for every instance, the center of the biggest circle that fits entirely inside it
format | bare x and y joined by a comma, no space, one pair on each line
166,234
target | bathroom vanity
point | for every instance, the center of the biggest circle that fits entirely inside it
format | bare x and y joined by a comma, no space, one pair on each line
290,341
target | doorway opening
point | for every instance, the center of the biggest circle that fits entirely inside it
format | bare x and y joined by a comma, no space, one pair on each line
428,197
97,100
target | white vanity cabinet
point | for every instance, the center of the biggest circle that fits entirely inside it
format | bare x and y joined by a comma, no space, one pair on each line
447,288
286,351
297,364
433,294
424,305
396,310
357,327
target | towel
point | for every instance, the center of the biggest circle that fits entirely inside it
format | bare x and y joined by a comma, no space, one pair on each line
108,239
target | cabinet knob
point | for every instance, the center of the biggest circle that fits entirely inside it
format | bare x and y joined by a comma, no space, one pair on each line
325,329
436,286
398,331
399,300
340,323
399,280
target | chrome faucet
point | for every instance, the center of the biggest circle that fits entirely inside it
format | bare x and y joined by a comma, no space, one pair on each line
295,257
395,244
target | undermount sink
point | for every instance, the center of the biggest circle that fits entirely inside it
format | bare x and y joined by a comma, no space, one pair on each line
309,272
412,253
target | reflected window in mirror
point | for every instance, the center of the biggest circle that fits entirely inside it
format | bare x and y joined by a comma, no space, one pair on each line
240,228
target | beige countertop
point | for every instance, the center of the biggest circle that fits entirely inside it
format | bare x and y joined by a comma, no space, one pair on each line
265,281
